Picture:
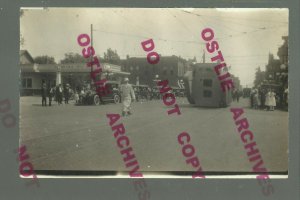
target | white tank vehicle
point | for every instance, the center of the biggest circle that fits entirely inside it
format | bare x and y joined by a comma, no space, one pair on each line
203,88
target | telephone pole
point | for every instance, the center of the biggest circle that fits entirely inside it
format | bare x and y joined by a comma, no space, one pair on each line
91,55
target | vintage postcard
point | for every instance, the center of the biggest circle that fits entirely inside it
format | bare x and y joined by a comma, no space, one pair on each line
178,92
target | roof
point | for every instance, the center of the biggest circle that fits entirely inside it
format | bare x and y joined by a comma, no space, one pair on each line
71,68
27,55
206,65
164,60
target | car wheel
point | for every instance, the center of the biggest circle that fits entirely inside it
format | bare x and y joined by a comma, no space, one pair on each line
96,100
116,99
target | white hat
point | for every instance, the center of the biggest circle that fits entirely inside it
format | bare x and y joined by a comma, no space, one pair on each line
126,79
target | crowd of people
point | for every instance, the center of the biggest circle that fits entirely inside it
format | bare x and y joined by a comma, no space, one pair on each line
264,98
236,95
56,93
268,99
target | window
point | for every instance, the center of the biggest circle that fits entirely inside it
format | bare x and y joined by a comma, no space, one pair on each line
207,82
207,93
165,72
26,82
29,83
172,72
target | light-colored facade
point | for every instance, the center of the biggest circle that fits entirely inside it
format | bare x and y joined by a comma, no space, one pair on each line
75,74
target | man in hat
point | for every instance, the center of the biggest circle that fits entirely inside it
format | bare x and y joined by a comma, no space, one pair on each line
44,94
59,94
51,94
67,93
127,94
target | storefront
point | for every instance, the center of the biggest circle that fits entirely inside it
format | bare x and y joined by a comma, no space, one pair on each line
33,75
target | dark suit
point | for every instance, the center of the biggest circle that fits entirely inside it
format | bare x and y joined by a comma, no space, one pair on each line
44,95
59,95
51,94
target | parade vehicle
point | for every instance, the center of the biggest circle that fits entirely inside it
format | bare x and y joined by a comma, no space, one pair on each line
141,92
90,97
115,95
202,87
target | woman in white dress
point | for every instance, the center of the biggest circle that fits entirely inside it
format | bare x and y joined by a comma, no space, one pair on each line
272,100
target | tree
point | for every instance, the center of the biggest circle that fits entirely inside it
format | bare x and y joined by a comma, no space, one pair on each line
73,58
112,57
22,40
44,60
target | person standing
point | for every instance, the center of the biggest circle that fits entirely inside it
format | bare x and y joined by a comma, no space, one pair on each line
51,94
59,93
76,97
67,93
44,94
256,100
286,97
233,94
262,96
272,100
268,100
237,94
252,98
127,94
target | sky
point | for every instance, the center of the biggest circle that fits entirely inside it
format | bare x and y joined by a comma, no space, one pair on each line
245,36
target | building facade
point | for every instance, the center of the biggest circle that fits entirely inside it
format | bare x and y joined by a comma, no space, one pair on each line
141,72
75,74
277,69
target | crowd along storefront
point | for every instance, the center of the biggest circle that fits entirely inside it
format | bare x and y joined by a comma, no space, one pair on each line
76,75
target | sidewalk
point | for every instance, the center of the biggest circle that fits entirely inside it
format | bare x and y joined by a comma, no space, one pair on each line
37,101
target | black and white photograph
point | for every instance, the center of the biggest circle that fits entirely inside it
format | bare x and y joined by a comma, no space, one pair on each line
176,92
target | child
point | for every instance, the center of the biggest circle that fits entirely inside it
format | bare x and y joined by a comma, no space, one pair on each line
76,96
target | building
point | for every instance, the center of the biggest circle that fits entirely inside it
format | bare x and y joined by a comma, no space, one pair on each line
141,72
75,74
277,69
283,56
236,82
276,74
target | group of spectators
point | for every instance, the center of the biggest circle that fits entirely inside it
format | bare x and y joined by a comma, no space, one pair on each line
268,99
55,93
235,95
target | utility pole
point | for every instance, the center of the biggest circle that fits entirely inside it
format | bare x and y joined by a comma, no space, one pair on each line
93,47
